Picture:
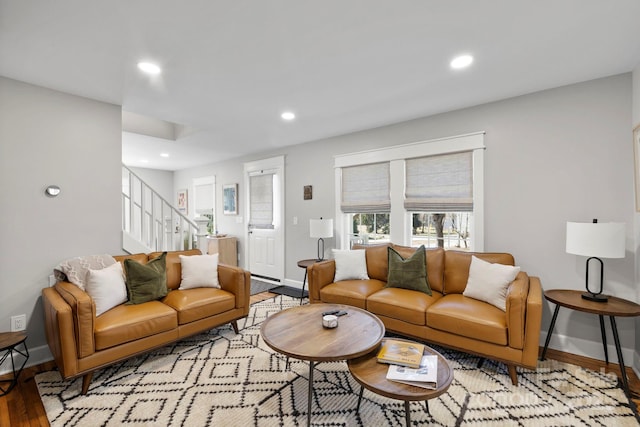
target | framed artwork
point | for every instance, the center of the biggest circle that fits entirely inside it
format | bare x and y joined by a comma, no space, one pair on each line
183,201
308,192
230,199
636,154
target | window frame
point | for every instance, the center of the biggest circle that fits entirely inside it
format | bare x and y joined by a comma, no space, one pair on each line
400,223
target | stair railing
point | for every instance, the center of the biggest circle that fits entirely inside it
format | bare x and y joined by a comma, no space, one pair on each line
151,220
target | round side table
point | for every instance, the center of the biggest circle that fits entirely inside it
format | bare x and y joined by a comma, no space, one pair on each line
614,307
9,342
304,264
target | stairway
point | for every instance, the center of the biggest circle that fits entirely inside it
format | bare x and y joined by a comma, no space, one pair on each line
149,222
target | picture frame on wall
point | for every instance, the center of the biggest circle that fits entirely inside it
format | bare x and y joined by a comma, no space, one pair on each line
230,199
183,201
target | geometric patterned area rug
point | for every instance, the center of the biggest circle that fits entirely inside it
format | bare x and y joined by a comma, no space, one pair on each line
219,378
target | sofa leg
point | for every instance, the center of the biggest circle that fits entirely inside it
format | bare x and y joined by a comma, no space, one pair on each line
86,380
513,374
234,325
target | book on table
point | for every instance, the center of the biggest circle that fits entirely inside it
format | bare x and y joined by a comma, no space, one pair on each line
399,352
426,376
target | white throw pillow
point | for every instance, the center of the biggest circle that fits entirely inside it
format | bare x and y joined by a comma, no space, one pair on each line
106,287
489,282
350,264
199,271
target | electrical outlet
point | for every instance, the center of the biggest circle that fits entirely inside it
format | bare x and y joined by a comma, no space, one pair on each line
18,323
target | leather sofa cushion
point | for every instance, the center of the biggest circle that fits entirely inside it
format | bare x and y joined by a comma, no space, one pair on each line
174,266
435,264
351,292
468,317
377,267
456,268
126,323
199,303
141,258
402,304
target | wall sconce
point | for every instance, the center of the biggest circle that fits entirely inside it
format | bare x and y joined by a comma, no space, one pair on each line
52,191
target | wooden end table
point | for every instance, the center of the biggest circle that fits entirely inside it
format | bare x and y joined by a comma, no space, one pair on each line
9,342
304,264
614,307
372,375
298,332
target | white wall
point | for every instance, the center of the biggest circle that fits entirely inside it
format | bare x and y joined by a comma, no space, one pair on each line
49,137
553,156
161,181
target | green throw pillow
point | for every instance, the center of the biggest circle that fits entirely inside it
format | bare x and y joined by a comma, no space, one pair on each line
410,273
146,282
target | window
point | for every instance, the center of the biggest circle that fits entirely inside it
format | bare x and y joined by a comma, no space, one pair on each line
439,193
365,199
449,230
433,194
204,200
370,228
261,200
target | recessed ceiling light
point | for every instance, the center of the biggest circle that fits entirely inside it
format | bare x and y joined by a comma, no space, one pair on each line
149,68
144,161
164,154
461,61
288,115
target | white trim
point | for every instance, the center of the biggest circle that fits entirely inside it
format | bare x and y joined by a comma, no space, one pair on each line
275,165
400,218
453,144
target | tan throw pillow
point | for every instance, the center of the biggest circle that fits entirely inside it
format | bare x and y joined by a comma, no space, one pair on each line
106,287
146,282
350,264
489,282
199,271
409,273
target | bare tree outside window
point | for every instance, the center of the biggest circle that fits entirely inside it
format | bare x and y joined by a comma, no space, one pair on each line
445,230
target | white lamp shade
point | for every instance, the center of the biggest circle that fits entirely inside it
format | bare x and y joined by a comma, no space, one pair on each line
600,239
320,228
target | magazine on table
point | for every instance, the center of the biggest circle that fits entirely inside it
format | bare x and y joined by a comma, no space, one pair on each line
400,352
426,376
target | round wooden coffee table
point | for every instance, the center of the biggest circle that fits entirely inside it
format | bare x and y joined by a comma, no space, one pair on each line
372,375
298,332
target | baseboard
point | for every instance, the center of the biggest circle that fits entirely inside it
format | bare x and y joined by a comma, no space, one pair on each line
37,356
591,349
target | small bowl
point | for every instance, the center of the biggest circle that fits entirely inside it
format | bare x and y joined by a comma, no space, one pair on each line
330,321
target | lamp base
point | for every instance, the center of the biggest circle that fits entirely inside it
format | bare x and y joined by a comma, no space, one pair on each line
595,297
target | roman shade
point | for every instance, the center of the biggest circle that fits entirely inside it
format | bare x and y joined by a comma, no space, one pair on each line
261,200
365,188
442,183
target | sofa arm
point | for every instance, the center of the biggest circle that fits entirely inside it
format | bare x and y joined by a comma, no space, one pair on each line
533,324
516,310
83,311
59,331
319,275
238,282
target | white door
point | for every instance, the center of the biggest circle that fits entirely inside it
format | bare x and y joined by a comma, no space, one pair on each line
265,206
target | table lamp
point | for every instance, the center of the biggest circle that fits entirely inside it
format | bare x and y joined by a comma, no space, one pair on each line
596,240
320,228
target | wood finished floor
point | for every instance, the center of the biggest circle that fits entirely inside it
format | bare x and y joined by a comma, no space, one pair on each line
22,407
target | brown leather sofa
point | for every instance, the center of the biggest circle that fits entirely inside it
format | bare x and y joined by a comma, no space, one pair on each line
81,342
446,318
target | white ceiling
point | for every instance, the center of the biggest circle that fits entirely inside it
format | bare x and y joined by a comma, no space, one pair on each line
231,67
